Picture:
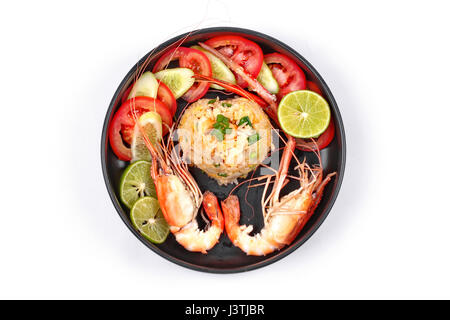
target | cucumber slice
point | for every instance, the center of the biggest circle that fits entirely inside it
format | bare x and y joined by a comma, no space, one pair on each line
266,78
146,86
179,80
219,70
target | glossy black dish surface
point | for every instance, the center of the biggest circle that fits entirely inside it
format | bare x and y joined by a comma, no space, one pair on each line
224,257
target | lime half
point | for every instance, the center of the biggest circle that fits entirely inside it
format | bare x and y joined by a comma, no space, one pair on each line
147,217
151,124
303,114
136,183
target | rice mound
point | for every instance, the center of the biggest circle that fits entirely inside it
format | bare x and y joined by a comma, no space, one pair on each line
230,155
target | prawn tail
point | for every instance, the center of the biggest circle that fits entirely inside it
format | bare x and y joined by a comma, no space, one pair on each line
212,209
232,214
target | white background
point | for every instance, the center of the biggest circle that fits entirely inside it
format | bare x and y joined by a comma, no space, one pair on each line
387,64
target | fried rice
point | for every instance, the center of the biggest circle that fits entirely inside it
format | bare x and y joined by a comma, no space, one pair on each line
225,138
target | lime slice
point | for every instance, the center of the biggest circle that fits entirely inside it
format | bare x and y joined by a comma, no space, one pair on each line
147,217
179,80
151,124
303,114
146,85
136,183
219,70
265,77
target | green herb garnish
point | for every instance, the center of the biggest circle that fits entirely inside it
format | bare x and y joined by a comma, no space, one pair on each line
222,175
226,104
222,119
221,127
245,120
253,139
212,101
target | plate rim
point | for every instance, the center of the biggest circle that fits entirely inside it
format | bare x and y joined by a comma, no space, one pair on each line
269,260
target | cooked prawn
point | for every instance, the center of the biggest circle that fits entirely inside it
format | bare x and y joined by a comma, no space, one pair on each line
283,218
180,199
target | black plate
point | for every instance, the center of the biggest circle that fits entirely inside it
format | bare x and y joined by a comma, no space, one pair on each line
224,257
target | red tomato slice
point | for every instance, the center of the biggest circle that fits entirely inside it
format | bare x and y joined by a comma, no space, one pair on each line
287,73
244,52
122,126
188,58
313,87
166,96
322,142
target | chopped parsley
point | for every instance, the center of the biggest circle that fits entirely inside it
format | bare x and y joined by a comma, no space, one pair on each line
245,120
226,104
222,120
212,101
221,127
222,175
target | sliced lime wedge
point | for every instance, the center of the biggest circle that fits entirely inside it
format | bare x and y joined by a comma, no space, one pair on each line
151,124
136,183
148,219
303,114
